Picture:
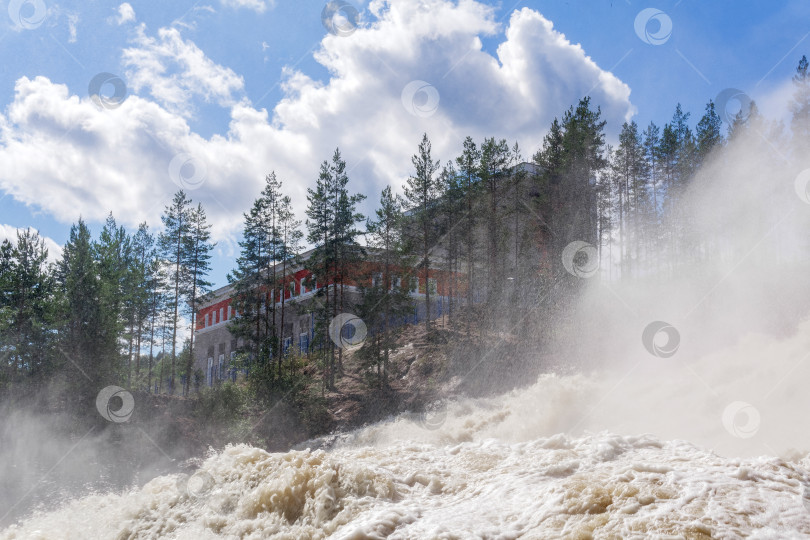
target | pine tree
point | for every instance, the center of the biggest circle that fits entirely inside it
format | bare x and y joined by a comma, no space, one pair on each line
85,328
583,142
630,170
743,120
452,216
551,160
173,242
321,263
26,308
197,261
421,194
468,164
677,153
255,280
156,285
290,236
523,232
709,135
331,223
140,285
113,253
492,173
386,298
652,141
348,252
607,187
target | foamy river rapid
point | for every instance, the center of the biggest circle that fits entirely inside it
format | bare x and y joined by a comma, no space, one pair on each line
651,454
604,486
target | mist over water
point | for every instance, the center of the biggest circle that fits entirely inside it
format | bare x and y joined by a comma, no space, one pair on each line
708,437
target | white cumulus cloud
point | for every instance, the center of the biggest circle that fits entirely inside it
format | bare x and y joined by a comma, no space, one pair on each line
175,71
67,157
125,14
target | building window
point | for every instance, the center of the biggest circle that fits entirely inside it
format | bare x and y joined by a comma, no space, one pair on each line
432,285
221,366
208,319
303,342
414,285
221,313
210,374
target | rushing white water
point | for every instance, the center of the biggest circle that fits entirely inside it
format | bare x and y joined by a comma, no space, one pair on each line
542,462
603,485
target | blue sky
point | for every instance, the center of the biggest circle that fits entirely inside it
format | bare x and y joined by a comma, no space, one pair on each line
241,87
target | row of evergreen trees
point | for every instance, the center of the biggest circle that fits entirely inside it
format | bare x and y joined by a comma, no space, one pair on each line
504,226
110,308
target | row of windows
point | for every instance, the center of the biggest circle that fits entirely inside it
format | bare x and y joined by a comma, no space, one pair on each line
224,314
217,316
221,370
396,282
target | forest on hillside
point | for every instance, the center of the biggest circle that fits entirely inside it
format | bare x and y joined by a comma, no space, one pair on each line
114,308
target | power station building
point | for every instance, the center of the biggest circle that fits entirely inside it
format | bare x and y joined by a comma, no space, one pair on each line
215,347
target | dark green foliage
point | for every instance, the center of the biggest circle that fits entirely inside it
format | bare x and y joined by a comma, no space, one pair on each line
709,135
421,193
385,291
174,243
87,332
571,157
467,192
255,279
332,230
197,262
27,309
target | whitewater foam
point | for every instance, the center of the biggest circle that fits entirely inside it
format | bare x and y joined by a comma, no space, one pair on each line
602,485
542,462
